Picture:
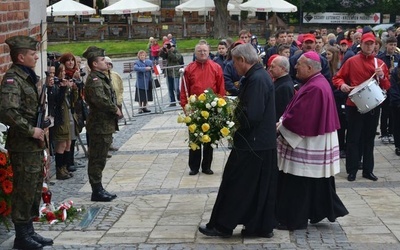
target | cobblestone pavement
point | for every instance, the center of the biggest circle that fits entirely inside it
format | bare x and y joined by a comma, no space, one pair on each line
159,206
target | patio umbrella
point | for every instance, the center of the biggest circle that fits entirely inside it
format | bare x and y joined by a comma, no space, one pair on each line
280,6
69,8
200,5
129,7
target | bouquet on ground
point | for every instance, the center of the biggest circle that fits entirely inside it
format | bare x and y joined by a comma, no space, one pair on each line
6,187
209,119
49,213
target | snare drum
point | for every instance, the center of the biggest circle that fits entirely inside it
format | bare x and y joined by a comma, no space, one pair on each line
367,96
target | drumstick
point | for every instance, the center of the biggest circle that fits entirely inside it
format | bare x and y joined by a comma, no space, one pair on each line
375,72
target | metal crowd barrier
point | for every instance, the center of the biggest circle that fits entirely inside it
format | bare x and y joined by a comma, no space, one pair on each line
161,100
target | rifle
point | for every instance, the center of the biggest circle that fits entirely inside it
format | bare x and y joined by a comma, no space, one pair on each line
41,122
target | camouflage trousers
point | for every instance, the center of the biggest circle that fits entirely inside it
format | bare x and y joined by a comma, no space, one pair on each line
27,185
98,150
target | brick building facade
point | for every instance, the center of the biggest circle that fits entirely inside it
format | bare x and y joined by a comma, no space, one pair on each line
22,17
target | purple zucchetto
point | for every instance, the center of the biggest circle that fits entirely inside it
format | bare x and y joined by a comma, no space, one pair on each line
312,55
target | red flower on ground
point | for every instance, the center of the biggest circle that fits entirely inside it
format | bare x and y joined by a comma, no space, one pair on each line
7,186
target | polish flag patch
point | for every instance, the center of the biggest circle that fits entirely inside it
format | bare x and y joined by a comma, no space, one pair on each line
10,81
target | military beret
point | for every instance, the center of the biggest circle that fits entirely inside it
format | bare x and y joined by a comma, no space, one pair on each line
93,52
22,42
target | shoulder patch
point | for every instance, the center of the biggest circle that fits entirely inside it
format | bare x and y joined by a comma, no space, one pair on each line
10,81
95,79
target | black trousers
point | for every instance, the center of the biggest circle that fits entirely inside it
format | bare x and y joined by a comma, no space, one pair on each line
195,157
396,125
361,132
386,124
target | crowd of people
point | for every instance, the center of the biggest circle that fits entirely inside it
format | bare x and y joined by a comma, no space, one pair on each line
281,169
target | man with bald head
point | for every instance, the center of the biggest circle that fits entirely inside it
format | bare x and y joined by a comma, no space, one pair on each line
284,87
308,151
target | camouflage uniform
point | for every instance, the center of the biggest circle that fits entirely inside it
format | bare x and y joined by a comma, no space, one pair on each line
18,109
101,123
19,102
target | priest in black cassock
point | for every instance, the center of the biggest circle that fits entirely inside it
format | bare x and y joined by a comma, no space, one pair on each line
249,182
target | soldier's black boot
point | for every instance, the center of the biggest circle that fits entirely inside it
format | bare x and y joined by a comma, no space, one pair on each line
98,193
37,237
23,240
106,192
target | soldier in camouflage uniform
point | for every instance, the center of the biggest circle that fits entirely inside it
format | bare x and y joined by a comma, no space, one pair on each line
102,121
19,101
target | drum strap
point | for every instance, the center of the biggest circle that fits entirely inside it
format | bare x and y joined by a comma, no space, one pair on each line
376,66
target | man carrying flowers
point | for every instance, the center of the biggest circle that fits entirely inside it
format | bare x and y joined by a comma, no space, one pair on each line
249,182
200,75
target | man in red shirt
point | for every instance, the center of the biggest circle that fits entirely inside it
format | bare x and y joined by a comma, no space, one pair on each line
200,75
361,127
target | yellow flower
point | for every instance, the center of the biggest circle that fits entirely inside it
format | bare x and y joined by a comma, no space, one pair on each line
225,131
205,127
205,139
187,119
192,128
205,114
181,119
193,146
221,102
202,97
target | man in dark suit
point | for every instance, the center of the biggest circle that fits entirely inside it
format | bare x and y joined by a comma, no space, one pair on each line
284,87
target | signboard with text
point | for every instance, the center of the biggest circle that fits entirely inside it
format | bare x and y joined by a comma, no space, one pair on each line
342,17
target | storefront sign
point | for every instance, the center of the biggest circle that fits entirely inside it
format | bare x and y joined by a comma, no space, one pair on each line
341,17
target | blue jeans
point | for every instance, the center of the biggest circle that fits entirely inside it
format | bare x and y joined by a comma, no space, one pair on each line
173,88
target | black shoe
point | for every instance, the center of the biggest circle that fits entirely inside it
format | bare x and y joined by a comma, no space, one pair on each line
213,232
79,165
23,240
172,105
100,196
113,196
342,154
109,155
112,148
207,171
370,176
193,172
37,237
146,110
397,151
351,177
246,233
71,168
